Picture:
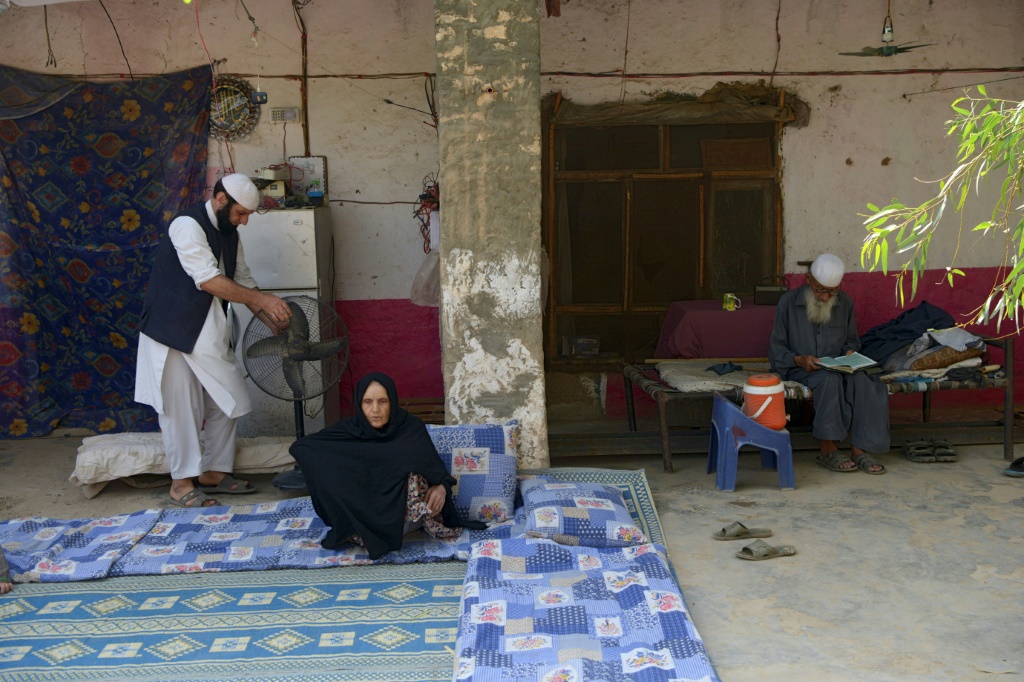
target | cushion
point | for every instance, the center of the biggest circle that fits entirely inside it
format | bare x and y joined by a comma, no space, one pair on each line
482,457
111,456
944,356
588,514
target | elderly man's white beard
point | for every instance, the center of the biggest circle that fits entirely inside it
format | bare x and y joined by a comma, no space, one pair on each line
818,312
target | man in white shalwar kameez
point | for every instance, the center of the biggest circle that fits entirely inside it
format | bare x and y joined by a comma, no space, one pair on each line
186,368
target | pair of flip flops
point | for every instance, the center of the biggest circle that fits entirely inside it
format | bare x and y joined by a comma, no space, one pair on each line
1016,468
758,550
932,450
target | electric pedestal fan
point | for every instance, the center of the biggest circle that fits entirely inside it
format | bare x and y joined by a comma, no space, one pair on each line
302,362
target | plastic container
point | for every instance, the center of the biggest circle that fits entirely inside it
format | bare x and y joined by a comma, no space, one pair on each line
764,401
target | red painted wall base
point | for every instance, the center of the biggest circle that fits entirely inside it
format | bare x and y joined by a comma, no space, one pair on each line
402,339
396,337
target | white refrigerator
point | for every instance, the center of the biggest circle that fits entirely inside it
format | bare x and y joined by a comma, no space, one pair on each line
290,253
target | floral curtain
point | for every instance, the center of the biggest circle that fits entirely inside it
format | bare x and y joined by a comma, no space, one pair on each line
90,176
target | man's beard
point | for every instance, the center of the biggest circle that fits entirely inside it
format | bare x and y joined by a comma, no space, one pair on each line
818,312
224,220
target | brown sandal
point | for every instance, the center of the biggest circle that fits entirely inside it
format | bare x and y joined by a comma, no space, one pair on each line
834,461
195,495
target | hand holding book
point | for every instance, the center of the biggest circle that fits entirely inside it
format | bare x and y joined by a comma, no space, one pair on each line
847,364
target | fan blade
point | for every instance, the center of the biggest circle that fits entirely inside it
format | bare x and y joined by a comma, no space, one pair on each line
866,52
907,47
293,375
324,349
299,326
272,345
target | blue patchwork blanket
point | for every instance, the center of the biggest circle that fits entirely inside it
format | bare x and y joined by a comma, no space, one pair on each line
248,537
533,610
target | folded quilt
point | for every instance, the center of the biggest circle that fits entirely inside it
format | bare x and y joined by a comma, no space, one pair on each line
533,609
54,551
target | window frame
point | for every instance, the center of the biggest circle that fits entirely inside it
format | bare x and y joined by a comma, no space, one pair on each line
708,179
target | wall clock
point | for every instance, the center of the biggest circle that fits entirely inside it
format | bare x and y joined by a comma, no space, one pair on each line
233,115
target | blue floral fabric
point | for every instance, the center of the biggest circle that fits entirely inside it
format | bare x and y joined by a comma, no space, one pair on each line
483,459
590,514
90,176
535,610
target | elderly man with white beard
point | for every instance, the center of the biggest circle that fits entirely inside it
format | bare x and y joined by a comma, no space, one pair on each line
816,321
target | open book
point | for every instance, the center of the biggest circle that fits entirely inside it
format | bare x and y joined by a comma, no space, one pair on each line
847,363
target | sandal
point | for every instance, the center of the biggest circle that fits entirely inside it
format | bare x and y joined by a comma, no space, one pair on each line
224,487
943,451
834,461
759,550
737,531
919,451
195,495
864,462
1016,468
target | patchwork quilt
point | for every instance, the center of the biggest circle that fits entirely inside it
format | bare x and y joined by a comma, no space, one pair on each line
248,537
534,610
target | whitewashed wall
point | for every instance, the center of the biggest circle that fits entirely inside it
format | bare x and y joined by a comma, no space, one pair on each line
833,167
378,152
375,151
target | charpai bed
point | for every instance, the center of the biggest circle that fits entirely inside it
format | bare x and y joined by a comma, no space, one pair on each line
675,380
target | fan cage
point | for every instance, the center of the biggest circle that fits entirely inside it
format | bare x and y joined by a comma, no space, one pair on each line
267,371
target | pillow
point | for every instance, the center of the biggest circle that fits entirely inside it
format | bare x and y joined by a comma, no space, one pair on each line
482,457
588,514
944,356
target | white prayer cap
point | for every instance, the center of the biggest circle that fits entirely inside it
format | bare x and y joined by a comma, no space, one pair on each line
240,188
828,270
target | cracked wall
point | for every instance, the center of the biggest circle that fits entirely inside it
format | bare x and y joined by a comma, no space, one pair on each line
488,66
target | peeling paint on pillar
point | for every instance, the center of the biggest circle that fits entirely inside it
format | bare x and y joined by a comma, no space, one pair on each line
488,99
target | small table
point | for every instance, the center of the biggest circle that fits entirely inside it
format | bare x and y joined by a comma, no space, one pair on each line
701,329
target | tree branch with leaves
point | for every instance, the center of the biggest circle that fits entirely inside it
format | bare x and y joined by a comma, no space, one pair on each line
991,141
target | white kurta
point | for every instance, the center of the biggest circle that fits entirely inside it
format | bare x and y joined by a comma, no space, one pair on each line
212,360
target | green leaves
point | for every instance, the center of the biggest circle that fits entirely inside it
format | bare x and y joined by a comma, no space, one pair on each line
990,137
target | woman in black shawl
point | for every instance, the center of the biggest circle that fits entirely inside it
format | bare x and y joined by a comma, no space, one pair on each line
375,475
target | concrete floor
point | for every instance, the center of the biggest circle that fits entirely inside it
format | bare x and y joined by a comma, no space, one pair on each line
914,575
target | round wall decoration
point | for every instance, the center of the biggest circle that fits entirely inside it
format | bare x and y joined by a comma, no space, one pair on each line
233,115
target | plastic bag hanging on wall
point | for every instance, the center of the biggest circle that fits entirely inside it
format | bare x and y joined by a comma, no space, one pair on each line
426,284
435,229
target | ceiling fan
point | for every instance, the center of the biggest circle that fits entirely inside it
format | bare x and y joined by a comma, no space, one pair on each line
887,49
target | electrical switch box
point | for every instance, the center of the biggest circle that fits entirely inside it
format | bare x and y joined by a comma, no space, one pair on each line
309,177
284,115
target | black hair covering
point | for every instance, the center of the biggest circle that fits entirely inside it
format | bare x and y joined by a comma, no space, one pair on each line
357,475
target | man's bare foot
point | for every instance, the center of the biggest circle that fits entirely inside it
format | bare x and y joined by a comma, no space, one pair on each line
6,586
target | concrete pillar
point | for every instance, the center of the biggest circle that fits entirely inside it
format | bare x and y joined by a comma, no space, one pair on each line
488,99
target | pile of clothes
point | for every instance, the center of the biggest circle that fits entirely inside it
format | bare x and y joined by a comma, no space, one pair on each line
924,343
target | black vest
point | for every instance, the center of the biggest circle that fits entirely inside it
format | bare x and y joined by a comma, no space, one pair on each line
175,310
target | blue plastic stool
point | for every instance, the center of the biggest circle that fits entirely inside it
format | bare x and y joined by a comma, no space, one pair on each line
731,430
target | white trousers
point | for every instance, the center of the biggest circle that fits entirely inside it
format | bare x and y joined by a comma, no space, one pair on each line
186,406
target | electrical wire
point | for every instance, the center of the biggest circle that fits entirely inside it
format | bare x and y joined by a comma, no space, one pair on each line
50,59
907,95
428,202
830,74
304,84
304,55
375,203
625,55
118,40
778,45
